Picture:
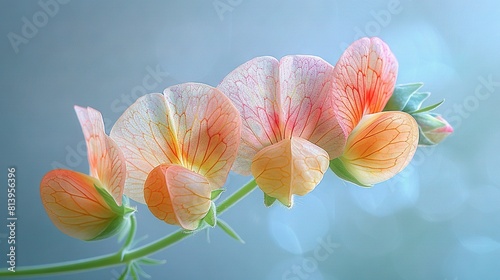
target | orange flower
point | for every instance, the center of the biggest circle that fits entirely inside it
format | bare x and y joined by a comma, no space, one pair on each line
380,144
88,207
179,147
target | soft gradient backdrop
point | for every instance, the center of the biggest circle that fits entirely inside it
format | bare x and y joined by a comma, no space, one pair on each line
439,219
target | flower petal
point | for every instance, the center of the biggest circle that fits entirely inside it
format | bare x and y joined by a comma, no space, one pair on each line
192,125
74,205
364,79
380,146
291,166
252,89
208,129
106,161
145,135
307,103
177,195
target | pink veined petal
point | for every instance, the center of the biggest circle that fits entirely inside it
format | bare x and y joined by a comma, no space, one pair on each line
106,161
381,146
146,136
307,108
177,195
291,166
252,89
74,205
364,79
208,129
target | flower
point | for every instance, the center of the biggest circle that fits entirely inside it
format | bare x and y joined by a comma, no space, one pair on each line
88,207
179,147
433,128
289,128
380,144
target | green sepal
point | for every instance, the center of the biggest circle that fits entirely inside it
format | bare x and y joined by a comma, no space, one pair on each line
269,200
423,140
230,231
428,120
416,101
428,108
215,194
117,225
338,167
110,200
120,222
211,217
401,95
131,223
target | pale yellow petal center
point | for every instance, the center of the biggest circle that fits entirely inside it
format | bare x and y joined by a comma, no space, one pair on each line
291,166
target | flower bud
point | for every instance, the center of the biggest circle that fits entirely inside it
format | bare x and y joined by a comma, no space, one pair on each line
433,128
80,207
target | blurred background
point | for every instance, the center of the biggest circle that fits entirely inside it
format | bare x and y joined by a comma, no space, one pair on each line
439,219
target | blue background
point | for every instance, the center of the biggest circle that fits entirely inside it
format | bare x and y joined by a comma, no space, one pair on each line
439,219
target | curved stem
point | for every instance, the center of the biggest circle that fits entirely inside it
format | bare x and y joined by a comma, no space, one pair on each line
181,234
124,256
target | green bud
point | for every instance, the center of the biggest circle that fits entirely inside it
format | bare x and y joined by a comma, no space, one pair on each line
433,128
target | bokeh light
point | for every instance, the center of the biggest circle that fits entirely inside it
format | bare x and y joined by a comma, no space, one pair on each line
297,230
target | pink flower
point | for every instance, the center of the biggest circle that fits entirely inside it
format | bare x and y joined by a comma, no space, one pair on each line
289,129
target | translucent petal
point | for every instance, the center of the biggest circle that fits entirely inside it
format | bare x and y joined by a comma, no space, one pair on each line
364,79
252,89
278,100
74,205
106,161
291,166
207,128
380,146
177,195
147,139
192,125
307,102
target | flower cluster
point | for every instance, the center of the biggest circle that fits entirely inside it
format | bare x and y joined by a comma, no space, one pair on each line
285,122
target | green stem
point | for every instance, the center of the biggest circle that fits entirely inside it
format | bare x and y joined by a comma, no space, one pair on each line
123,257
